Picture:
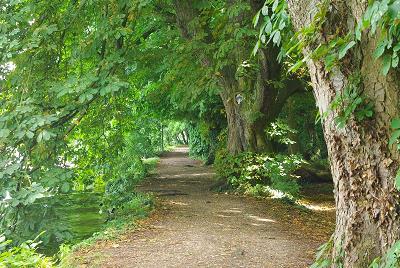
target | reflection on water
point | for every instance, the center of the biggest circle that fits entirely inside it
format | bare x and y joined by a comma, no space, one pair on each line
79,214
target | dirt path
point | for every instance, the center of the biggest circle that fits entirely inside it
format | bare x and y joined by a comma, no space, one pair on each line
198,228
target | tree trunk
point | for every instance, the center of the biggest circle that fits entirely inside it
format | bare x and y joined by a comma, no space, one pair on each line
237,141
363,165
185,137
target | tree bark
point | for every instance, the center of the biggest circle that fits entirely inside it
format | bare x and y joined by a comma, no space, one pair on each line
185,137
363,165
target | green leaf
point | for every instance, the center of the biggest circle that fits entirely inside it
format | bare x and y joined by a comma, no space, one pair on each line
343,49
394,137
395,61
82,98
263,38
277,38
29,134
4,133
39,137
268,27
275,5
264,10
358,32
256,47
369,113
262,29
256,19
65,187
386,64
330,61
295,67
379,51
397,181
31,198
44,136
395,124
282,25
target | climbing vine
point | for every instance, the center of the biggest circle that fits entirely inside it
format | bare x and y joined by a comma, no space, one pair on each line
351,102
382,18
382,15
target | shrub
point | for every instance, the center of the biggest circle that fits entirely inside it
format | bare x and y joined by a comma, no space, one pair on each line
23,255
260,174
203,141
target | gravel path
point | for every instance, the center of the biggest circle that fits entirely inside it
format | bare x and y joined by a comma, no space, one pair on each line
195,227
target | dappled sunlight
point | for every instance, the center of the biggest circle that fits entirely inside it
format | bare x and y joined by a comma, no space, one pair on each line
250,218
192,174
258,224
276,194
232,210
178,203
317,207
224,216
253,217
191,181
232,127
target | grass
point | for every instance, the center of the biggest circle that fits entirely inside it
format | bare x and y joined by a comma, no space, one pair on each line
170,148
150,164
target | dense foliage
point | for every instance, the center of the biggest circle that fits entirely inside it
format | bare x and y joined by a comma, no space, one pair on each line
260,174
75,114
23,255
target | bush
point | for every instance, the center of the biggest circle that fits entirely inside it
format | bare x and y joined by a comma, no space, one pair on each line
203,141
260,174
124,175
24,255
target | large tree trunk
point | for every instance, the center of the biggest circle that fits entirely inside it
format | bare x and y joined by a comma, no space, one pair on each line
245,133
236,140
363,165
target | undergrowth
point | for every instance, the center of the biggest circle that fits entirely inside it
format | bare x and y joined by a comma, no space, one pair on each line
260,174
324,259
23,255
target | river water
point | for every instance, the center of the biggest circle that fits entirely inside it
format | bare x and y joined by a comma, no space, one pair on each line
79,214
